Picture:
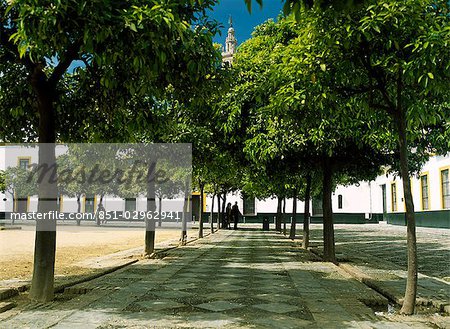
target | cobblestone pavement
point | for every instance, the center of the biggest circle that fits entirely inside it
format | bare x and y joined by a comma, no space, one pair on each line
389,243
231,279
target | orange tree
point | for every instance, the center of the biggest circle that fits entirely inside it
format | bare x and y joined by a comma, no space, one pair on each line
388,62
122,50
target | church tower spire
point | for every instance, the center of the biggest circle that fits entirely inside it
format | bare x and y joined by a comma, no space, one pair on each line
230,43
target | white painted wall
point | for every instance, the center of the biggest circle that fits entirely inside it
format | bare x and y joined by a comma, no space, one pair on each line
365,197
433,168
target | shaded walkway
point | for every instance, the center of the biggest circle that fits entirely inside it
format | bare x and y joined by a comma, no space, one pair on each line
245,279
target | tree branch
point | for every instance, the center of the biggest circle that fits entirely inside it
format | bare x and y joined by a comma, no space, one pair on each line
382,89
379,78
69,56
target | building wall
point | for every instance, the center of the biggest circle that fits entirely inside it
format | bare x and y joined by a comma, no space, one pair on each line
69,204
363,198
433,169
367,197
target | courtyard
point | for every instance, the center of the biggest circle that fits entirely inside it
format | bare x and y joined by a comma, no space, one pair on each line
126,125
244,279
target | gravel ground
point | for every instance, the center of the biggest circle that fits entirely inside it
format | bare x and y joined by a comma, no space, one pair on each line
74,244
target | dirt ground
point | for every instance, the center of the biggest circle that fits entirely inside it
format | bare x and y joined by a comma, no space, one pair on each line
74,244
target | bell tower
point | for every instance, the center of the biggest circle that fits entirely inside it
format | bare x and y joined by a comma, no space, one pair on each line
230,44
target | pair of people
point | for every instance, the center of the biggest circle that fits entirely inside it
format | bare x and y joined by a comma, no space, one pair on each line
232,215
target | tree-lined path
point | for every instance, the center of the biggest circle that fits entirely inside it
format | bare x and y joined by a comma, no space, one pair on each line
231,279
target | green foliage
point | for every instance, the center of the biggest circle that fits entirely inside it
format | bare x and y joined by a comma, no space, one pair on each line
296,6
286,115
20,182
333,82
2,181
394,64
126,56
215,163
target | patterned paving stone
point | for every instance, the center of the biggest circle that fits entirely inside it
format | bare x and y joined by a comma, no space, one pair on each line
229,281
247,300
272,296
279,308
171,294
218,306
222,295
157,305
180,286
192,300
240,279
270,290
226,287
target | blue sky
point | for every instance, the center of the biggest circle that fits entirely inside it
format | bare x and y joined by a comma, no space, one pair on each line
243,21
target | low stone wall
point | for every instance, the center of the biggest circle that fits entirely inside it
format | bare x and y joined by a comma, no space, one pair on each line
435,219
346,218
339,218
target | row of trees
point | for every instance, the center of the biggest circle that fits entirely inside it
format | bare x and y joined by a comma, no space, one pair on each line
322,97
96,71
327,97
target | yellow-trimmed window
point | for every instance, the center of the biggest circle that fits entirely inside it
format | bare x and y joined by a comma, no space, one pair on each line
425,192
394,197
24,162
445,188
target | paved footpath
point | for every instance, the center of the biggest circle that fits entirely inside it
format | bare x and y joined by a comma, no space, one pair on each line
231,279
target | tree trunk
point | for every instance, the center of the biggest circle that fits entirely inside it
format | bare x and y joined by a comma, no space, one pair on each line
224,203
284,215
159,210
223,210
306,214
220,212
185,213
97,216
78,209
212,213
42,283
200,217
328,227
294,216
411,281
278,217
150,226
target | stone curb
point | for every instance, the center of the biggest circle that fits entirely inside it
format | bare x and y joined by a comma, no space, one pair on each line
60,288
10,228
6,293
6,306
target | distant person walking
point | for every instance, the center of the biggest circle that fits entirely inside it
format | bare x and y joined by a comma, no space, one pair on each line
235,213
228,216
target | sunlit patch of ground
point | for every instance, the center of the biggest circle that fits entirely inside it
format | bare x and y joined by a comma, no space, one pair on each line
74,244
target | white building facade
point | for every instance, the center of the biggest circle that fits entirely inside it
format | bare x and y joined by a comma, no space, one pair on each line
381,199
